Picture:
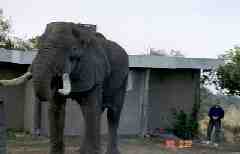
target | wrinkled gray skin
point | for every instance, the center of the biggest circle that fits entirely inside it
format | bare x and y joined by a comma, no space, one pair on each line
98,70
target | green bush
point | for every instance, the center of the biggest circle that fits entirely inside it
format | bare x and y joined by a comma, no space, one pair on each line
185,125
12,133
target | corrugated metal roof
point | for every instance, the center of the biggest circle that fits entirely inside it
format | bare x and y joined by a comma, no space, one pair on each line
16,56
148,61
142,61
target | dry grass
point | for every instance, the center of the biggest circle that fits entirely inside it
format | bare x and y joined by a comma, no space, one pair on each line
203,124
232,118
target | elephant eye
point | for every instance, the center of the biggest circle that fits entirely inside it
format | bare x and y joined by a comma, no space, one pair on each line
71,58
82,42
74,48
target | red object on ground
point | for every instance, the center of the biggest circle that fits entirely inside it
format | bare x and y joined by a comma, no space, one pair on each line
170,143
161,130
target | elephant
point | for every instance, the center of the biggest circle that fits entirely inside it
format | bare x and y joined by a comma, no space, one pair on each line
81,64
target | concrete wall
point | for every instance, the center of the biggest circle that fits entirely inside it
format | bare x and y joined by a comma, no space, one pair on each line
150,96
29,107
14,97
131,118
14,106
171,89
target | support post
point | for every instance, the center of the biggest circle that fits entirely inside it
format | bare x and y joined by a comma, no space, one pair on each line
145,103
3,134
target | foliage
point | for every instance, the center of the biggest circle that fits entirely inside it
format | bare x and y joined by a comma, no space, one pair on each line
185,125
12,133
34,41
228,75
5,27
9,42
208,77
20,44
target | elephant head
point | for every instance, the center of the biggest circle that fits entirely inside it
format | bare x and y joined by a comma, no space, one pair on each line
70,53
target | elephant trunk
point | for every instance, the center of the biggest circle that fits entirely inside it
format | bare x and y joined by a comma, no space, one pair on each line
42,90
17,81
42,77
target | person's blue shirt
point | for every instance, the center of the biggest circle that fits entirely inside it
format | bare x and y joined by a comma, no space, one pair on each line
216,112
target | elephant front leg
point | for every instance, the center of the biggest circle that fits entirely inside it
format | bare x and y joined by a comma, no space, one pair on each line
113,116
113,123
91,113
56,126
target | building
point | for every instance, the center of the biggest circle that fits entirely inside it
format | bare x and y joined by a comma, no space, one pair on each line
156,86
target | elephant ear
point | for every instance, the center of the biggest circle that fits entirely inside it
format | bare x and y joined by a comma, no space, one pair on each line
92,67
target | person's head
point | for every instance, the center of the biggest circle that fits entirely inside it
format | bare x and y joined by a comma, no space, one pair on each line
217,105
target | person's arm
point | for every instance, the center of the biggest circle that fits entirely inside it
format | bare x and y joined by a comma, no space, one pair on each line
222,114
210,112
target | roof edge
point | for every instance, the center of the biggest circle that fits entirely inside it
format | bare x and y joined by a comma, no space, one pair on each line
139,61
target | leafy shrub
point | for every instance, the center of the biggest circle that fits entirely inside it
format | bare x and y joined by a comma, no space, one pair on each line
185,125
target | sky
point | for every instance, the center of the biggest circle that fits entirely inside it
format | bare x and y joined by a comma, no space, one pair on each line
198,28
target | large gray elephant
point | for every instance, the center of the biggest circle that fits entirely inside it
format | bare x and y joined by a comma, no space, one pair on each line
81,64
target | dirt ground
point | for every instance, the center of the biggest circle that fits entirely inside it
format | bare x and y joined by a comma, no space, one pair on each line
136,145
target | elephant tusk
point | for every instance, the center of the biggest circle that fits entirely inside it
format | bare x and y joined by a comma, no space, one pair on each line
17,81
66,85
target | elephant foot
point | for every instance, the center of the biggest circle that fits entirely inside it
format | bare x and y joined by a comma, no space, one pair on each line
112,151
57,149
89,151
56,152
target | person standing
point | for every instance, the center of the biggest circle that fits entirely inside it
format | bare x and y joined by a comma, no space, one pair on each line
216,113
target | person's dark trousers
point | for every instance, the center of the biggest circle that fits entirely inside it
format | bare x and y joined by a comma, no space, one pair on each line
217,125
